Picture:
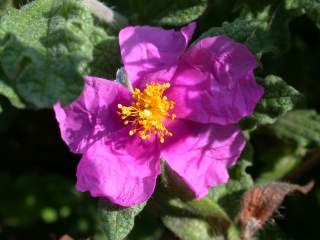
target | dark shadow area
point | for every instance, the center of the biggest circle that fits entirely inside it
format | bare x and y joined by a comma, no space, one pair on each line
37,179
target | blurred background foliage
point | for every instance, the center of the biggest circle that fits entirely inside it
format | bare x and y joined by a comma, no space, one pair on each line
37,174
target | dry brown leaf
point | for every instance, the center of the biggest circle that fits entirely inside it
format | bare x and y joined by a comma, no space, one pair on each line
260,202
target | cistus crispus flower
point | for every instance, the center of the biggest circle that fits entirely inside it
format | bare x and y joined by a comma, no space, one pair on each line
183,108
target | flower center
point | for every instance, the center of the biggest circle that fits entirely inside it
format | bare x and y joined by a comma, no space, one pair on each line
148,112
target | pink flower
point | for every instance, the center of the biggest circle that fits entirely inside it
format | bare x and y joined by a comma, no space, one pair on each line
184,108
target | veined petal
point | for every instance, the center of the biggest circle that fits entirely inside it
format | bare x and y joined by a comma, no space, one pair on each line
214,82
120,168
93,114
152,53
201,153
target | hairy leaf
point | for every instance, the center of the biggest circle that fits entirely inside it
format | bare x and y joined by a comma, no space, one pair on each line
188,228
197,219
5,5
178,13
261,201
117,222
300,126
279,14
165,12
278,160
9,93
46,48
278,98
253,33
106,54
309,7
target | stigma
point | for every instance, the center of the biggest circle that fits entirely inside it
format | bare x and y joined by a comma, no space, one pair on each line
148,112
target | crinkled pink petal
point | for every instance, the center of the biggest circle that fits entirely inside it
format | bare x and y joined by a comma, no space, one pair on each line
93,114
201,153
152,53
214,82
120,168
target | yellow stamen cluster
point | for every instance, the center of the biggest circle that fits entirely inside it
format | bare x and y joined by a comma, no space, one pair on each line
148,112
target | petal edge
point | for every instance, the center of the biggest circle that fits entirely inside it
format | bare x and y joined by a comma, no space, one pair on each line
120,168
92,114
202,153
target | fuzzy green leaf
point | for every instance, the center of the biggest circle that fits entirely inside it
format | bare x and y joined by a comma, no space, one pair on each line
253,33
9,93
178,13
300,126
5,5
117,222
277,160
279,14
106,54
278,98
188,228
165,12
46,47
309,7
197,219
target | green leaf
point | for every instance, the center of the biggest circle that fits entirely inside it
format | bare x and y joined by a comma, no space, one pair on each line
253,33
117,222
271,12
180,12
5,5
278,98
165,12
197,219
9,93
295,132
155,229
211,217
277,160
188,228
106,54
299,126
45,50
309,7
279,14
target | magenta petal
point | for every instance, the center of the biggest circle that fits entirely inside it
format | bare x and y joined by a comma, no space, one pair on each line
120,168
201,153
152,53
93,114
214,82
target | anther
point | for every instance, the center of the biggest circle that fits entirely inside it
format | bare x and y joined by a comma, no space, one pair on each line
147,113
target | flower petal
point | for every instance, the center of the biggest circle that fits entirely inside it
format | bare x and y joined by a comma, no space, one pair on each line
214,82
201,153
152,53
120,168
93,114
